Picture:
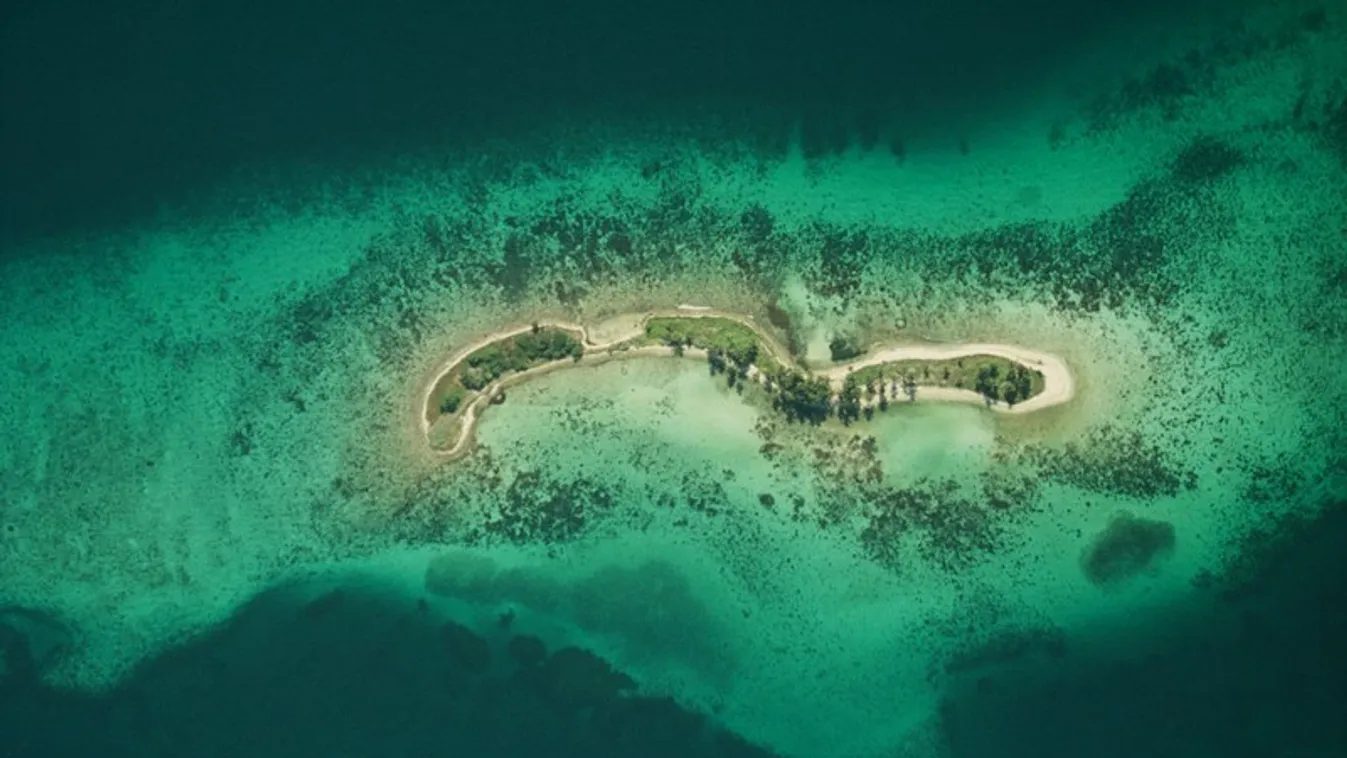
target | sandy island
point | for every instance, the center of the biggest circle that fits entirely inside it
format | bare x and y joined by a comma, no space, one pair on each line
612,338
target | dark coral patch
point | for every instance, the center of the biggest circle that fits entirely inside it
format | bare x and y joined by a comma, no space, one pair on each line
1128,547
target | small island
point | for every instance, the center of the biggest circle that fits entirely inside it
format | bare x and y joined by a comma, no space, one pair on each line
1000,377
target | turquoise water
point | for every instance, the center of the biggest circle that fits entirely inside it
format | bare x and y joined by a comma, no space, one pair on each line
227,282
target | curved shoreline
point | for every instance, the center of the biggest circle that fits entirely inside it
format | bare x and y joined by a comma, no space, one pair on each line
1058,383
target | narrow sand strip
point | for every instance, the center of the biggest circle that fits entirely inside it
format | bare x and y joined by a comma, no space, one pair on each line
1058,383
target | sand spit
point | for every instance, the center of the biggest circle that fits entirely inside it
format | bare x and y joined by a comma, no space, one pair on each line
613,338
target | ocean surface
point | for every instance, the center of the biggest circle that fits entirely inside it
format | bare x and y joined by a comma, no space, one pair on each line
237,240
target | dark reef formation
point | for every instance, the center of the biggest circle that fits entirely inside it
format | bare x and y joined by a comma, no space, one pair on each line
539,507
947,525
1137,254
1112,461
1127,548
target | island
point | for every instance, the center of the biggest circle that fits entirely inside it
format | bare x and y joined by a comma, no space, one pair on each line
1002,378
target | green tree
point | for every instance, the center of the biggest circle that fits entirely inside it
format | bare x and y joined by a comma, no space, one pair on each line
715,359
843,348
474,378
803,398
986,384
849,402
452,401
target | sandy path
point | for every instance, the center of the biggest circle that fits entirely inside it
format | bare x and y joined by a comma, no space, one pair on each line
1058,384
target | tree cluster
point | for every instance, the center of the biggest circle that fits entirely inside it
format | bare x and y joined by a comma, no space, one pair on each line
731,340
843,348
803,398
1013,386
453,400
849,401
519,353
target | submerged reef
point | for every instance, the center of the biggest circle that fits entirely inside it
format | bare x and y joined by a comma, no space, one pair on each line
1113,461
1127,548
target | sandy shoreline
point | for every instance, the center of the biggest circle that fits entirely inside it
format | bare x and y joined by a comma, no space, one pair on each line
601,339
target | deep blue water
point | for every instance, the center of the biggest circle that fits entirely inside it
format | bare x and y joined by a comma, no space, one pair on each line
112,110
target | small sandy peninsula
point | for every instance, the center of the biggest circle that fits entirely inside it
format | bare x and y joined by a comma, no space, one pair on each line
448,414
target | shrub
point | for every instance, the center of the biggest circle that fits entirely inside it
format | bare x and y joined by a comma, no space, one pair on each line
452,401
843,348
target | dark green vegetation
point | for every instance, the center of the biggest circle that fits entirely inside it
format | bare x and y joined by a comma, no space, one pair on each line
1129,546
849,401
518,353
538,346
995,378
453,400
800,397
731,347
721,337
843,348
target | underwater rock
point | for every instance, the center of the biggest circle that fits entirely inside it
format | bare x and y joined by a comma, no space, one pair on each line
1129,546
